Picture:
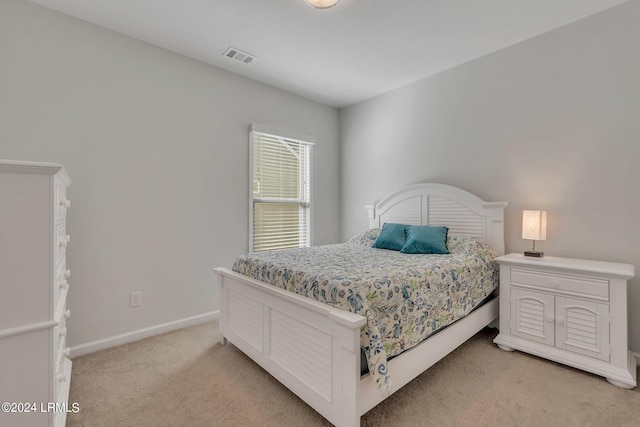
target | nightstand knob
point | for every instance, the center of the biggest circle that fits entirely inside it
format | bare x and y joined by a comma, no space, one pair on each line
549,319
559,320
554,284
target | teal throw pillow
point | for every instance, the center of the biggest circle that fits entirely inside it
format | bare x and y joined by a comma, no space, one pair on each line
426,239
392,237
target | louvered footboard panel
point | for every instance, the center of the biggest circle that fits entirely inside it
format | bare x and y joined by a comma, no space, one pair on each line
313,349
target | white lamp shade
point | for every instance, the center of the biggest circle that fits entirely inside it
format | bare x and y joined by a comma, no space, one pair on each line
534,225
322,4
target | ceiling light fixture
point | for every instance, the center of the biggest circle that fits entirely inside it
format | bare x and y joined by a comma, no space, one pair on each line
322,4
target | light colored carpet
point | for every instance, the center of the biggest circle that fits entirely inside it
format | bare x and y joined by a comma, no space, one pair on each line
185,378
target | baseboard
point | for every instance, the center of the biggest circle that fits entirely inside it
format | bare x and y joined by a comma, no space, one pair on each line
637,356
93,346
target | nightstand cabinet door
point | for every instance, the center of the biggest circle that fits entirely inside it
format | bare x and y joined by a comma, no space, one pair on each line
582,327
532,315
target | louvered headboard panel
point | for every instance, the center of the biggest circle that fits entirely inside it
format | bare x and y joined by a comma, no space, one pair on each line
405,211
461,220
437,204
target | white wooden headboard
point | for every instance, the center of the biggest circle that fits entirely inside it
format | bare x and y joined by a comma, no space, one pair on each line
437,204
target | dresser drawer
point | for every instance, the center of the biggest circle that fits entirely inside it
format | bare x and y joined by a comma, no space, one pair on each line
61,201
62,241
60,331
62,280
61,382
60,350
568,284
61,353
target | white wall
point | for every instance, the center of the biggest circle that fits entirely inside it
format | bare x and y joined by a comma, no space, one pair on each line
552,123
157,147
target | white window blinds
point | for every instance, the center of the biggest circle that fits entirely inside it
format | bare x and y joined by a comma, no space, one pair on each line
280,192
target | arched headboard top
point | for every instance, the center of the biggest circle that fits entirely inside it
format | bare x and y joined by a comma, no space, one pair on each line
438,204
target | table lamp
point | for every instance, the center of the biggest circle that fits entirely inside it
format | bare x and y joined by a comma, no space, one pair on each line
534,227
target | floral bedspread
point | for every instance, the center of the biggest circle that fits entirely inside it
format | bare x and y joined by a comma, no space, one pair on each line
405,298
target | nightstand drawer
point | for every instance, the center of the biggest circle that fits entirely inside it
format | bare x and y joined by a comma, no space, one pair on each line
574,285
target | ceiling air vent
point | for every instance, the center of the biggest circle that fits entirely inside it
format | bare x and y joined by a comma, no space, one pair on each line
238,55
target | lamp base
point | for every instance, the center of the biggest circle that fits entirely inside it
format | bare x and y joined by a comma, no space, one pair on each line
534,254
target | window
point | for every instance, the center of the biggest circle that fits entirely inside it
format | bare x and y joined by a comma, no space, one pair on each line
280,180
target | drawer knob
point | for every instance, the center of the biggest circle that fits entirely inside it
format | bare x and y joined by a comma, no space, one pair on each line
67,314
64,241
550,319
554,284
67,273
559,320
64,284
66,203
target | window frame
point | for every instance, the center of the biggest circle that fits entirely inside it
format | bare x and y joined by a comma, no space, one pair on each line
288,136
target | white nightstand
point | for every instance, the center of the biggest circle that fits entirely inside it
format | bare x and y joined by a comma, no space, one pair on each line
570,311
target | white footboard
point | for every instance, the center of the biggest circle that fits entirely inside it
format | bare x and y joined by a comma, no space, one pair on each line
311,348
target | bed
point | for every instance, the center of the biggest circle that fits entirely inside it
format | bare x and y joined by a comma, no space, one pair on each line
314,349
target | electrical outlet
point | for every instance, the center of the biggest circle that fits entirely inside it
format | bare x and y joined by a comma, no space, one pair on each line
136,299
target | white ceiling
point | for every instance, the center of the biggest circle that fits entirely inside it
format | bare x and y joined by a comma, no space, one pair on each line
338,56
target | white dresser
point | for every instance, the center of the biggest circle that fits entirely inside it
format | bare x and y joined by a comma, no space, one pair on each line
34,280
571,311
